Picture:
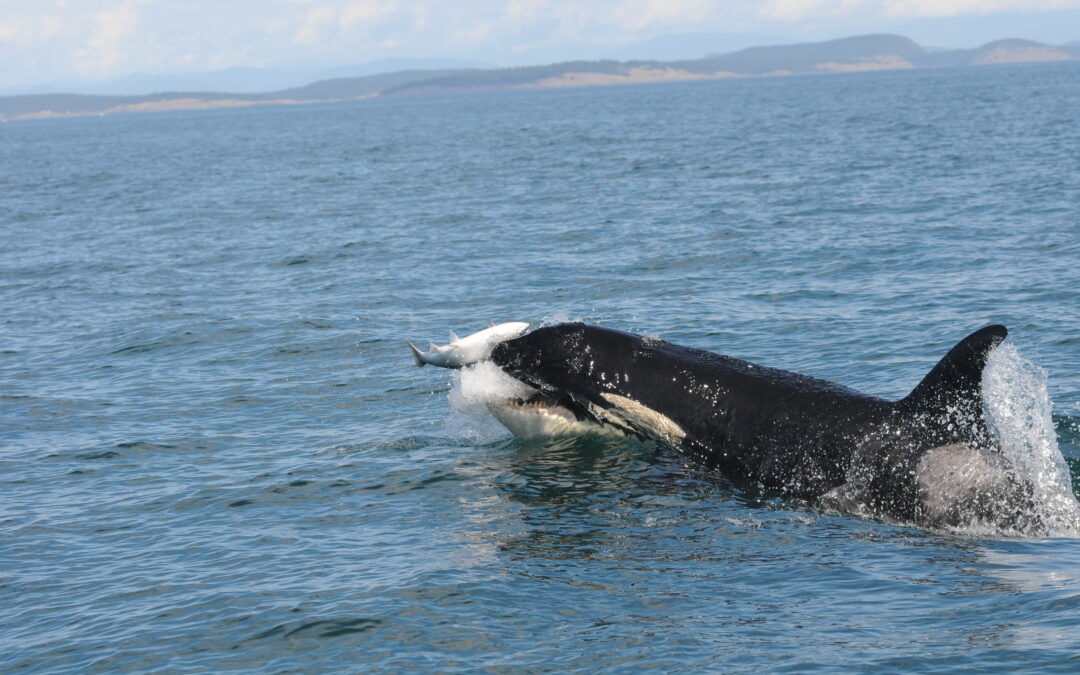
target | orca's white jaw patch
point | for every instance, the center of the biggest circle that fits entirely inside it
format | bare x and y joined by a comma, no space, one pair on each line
539,417
628,413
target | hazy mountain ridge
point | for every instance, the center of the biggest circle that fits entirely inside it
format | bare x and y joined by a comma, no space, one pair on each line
239,79
852,54
999,51
808,56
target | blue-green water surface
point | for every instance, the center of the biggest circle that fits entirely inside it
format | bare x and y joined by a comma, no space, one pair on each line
217,455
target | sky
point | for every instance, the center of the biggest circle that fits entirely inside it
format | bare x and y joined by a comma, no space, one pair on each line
43,41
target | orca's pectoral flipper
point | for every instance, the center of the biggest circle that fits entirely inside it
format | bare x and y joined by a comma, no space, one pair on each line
953,388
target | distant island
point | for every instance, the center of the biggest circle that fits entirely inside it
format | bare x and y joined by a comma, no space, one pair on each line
853,54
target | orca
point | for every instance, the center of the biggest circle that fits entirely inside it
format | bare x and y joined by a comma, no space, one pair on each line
926,459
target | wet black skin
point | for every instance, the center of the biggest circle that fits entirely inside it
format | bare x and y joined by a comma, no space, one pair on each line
799,435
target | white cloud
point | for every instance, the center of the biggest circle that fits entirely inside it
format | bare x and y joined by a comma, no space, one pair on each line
472,34
940,8
363,10
104,48
800,10
315,22
322,23
522,12
421,16
573,19
499,23
8,29
29,29
637,15
49,25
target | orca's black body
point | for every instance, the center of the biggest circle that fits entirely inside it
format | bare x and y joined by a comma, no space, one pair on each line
802,436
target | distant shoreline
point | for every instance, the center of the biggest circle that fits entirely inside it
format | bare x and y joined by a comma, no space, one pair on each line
865,53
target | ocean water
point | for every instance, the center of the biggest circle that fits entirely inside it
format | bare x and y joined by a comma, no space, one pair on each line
217,455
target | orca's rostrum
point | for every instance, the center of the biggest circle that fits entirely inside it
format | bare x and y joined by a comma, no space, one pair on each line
927,458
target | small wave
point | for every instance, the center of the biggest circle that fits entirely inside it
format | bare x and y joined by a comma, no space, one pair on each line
408,443
140,348
107,454
185,338
144,445
321,628
405,444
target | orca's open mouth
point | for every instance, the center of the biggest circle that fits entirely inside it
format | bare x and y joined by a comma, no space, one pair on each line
540,403
540,415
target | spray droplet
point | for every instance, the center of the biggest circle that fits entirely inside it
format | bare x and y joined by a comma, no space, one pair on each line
1018,413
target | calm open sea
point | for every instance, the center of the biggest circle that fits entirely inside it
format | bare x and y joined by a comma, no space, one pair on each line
216,453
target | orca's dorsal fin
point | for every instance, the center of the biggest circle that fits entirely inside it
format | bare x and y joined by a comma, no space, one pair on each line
955,383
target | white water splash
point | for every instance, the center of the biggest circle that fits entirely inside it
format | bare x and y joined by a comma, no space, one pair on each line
1018,413
471,390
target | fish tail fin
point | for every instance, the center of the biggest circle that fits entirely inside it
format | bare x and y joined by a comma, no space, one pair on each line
417,355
